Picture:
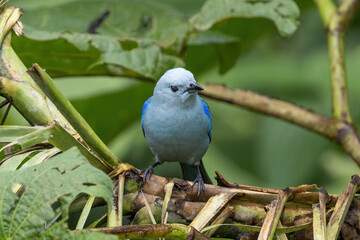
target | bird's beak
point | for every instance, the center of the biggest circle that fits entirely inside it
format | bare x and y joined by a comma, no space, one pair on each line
194,87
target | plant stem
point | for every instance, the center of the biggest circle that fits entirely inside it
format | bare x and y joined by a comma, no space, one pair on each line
341,208
72,115
16,84
153,231
249,206
336,22
327,9
334,129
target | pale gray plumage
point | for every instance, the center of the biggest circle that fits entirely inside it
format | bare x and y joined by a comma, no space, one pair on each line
176,122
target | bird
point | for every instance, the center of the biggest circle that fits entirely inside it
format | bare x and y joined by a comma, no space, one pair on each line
177,125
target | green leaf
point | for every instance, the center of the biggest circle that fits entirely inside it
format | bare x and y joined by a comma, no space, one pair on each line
211,37
228,55
79,53
26,215
40,157
58,56
127,19
147,62
14,162
82,41
282,12
136,32
10,133
54,133
40,134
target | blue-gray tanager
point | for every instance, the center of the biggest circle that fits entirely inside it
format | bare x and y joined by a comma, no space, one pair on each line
176,123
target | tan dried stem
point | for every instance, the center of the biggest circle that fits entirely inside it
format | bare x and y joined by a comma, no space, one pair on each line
292,206
154,231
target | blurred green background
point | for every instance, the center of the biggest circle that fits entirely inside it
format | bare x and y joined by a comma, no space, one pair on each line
247,148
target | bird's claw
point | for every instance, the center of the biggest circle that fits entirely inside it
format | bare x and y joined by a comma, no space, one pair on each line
201,185
147,172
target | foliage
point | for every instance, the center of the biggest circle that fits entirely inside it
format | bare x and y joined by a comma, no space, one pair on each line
140,39
33,197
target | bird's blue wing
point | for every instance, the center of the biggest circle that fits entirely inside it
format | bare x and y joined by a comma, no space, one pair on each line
146,104
207,112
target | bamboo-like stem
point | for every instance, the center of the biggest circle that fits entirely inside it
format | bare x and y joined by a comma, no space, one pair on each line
154,231
317,223
341,208
211,208
248,205
273,216
319,216
168,191
121,180
72,115
225,214
17,85
334,129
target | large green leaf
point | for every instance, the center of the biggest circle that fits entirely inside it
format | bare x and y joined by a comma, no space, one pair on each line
132,40
140,39
127,19
67,53
282,12
28,214
147,62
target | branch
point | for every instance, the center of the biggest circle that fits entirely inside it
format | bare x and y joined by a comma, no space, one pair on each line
336,22
48,86
334,129
327,9
154,231
253,211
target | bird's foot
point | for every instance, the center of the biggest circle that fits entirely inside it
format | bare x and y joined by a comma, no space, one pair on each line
201,185
147,172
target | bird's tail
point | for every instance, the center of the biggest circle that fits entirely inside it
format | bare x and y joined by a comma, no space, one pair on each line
189,172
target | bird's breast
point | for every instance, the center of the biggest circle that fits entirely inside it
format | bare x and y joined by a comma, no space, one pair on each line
177,134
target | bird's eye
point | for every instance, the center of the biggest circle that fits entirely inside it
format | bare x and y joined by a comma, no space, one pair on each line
174,88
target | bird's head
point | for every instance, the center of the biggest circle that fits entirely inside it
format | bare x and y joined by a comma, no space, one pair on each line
177,84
